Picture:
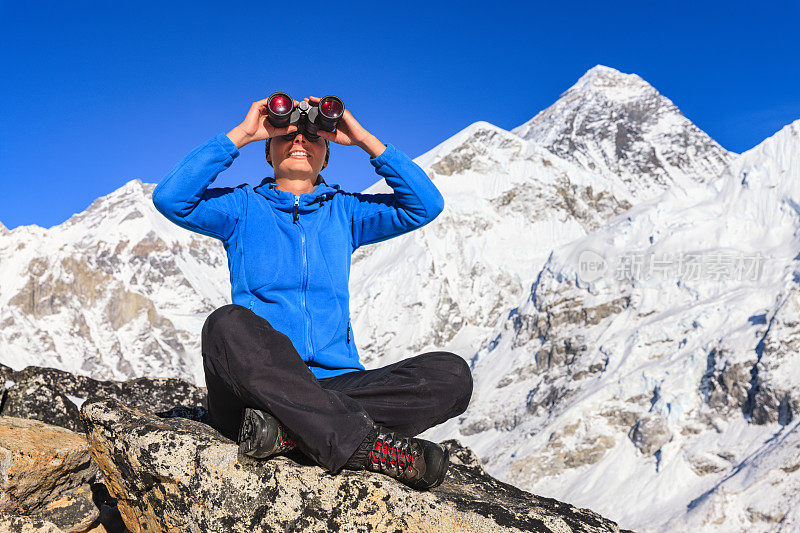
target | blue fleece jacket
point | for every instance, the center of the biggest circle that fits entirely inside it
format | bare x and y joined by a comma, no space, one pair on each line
289,255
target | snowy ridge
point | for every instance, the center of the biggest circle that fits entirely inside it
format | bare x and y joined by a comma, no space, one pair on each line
455,278
657,394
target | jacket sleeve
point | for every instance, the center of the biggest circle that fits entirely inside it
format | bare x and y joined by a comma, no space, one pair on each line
183,195
415,202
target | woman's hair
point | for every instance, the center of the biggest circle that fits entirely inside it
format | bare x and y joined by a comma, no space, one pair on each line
327,149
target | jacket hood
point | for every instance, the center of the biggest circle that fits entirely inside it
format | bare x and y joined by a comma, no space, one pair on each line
284,201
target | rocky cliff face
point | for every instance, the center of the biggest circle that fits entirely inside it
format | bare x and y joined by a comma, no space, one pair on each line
114,280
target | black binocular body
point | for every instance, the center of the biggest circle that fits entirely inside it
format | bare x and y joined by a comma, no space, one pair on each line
309,118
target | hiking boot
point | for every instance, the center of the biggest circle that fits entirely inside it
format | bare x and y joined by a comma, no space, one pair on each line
418,463
261,435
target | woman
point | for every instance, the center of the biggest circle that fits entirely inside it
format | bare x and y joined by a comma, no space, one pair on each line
281,365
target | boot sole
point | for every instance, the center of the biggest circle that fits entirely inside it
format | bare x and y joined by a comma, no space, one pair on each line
257,435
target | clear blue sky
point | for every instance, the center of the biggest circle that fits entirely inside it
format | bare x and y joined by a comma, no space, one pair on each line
94,94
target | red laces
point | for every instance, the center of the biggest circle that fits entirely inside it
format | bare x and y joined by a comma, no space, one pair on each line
390,452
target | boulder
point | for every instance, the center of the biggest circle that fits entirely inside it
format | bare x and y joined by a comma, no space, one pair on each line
54,396
177,474
45,474
34,398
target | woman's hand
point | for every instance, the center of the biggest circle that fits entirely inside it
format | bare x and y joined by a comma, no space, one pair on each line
256,126
350,133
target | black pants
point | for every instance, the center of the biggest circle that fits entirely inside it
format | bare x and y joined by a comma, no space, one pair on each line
248,363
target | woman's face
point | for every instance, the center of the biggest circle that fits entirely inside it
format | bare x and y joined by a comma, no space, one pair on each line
293,154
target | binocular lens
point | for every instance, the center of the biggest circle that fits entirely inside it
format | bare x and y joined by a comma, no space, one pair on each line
331,107
280,104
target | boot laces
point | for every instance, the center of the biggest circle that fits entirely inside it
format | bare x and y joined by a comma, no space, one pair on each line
393,452
284,441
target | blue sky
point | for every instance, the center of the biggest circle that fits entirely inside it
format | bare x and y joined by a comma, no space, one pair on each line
94,94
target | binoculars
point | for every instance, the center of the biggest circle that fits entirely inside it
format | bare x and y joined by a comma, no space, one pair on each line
309,118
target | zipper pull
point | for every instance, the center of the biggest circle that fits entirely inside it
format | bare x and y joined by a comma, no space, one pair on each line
296,203
348,333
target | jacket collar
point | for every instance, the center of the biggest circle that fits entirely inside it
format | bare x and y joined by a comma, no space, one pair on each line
284,201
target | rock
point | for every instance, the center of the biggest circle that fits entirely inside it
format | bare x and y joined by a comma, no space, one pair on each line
650,434
26,524
725,386
74,511
54,396
33,398
45,473
176,474
5,372
160,394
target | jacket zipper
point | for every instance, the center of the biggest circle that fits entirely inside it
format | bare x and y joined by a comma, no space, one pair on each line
304,280
348,333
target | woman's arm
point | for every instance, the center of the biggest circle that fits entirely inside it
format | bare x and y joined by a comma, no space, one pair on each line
416,200
377,217
182,196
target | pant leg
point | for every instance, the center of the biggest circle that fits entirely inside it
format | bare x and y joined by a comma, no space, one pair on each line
259,365
225,409
412,395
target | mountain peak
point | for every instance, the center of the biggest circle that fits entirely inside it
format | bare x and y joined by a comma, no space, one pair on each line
611,81
479,129
618,125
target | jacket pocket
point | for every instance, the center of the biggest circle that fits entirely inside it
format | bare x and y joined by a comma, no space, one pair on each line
265,254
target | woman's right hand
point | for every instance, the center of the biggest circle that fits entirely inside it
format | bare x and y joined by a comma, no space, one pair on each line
256,126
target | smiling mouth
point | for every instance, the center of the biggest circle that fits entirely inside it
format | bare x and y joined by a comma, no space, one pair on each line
299,154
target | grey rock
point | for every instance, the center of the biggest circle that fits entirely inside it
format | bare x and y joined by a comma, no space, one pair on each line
725,386
33,398
179,474
42,394
73,512
768,405
650,434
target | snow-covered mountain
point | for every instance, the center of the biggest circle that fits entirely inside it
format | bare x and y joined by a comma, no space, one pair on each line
660,388
115,292
624,288
620,126
510,202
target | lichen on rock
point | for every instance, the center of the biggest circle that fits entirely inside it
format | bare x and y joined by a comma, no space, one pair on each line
176,474
45,477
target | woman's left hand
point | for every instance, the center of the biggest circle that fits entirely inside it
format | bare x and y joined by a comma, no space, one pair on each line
348,131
